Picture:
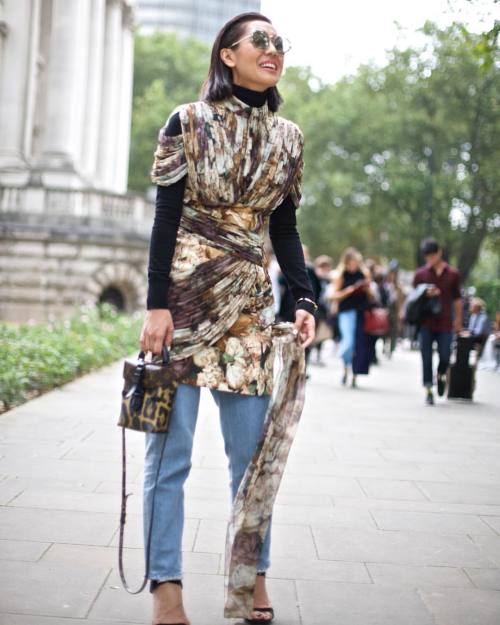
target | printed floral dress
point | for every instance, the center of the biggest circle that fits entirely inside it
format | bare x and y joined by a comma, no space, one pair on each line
241,162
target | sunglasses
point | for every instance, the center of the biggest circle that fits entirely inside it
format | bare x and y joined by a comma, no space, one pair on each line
261,40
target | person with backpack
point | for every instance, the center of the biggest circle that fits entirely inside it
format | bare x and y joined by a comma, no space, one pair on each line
443,285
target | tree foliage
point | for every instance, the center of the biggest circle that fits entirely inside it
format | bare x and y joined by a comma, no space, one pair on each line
167,72
486,46
397,153
393,153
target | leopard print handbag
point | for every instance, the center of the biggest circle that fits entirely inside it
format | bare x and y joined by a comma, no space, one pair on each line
147,402
148,393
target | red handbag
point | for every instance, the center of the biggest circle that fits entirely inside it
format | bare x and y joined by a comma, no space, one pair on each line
376,322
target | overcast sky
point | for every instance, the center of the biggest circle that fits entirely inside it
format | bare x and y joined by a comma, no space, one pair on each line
334,37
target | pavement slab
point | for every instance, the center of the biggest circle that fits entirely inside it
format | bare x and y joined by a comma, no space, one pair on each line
487,579
405,547
50,589
436,522
452,606
388,512
324,603
419,576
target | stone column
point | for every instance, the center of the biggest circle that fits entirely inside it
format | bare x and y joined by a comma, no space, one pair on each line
66,86
110,97
20,24
125,104
4,31
32,86
94,89
40,109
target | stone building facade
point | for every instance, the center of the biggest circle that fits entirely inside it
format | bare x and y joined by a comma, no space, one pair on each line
69,232
200,18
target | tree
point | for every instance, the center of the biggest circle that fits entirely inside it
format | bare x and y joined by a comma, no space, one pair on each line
408,150
168,71
486,47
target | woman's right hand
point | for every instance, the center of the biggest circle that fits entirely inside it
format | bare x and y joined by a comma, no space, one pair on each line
157,330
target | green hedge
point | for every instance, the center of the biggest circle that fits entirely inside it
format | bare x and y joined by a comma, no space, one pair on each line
37,357
490,292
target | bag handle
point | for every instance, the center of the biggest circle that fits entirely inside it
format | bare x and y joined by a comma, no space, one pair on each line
165,355
123,516
137,389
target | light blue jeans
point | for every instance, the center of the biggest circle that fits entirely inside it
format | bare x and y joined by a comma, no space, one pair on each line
242,420
347,327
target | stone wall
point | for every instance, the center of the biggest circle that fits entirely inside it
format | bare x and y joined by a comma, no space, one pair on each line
59,250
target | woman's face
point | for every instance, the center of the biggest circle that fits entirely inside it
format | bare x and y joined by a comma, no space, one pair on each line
352,265
253,67
323,270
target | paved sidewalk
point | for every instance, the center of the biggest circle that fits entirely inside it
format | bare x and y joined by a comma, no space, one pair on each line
388,514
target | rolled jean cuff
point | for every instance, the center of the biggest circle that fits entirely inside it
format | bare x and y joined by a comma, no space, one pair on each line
163,578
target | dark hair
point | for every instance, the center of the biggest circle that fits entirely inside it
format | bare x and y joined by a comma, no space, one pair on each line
219,84
429,246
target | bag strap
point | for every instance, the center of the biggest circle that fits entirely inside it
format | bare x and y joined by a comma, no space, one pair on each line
123,516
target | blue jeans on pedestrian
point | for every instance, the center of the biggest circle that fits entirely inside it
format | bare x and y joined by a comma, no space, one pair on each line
427,339
347,326
242,420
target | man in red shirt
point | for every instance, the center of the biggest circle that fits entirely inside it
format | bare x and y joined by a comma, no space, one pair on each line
438,328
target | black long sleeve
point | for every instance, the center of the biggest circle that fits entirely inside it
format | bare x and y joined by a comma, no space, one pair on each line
288,249
163,239
168,213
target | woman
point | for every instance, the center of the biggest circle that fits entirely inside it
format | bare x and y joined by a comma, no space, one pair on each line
396,299
496,343
225,167
350,289
322,270
479,324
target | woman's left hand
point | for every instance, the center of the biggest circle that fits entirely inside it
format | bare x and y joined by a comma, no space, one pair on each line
305,324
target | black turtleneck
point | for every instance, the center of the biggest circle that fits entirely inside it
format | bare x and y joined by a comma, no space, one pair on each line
169,201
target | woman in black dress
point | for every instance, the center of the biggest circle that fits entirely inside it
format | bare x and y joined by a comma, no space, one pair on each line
351,290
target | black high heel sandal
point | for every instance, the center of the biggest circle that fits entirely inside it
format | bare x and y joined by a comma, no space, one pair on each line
261,621
154,584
